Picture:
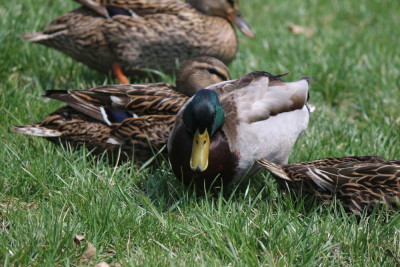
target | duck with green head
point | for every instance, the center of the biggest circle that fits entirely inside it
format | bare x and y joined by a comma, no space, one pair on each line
223,129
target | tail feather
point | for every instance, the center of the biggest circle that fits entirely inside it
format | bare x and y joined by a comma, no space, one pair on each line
85,108
35,37
94,6
275,169
36,130
61,95
394,162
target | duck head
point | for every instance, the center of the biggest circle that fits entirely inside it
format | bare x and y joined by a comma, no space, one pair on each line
200,72
203,117
228,9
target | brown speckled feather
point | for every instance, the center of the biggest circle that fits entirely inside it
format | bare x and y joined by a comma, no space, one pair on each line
152,130
66,124
141,137
358,182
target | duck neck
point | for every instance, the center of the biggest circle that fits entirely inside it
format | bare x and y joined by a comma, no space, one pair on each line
212,36
222,38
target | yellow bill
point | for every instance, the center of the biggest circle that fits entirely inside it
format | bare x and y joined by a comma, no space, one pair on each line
200,151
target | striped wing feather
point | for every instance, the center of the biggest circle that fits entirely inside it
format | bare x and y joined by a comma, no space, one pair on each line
140,136
143,129
359,182
158,98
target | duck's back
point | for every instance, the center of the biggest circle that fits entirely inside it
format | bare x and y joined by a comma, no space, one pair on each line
160,41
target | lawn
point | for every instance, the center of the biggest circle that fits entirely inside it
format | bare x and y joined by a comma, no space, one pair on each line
143,216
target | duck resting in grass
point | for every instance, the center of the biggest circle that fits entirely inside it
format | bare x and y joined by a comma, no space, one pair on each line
135,118
359,183
138,37
223,129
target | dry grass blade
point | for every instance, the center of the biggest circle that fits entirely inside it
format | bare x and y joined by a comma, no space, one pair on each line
297,29
89,253
102,264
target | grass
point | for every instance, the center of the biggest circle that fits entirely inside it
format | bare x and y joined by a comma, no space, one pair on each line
144,216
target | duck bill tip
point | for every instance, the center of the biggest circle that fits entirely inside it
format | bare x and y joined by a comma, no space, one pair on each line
237,20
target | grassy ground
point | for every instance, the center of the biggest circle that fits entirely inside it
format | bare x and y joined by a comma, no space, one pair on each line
143,216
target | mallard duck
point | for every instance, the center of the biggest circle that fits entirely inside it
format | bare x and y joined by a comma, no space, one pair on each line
358,182
136,117
223,129
132,36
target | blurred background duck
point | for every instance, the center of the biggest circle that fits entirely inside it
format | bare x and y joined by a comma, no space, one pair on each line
358,182
222,130
132,37
136,118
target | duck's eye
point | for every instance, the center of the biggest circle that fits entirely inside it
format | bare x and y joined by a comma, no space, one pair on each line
217,73
214,114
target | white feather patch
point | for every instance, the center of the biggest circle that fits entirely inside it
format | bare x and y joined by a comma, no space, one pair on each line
105,116
113,141
218,85
271,139
117,100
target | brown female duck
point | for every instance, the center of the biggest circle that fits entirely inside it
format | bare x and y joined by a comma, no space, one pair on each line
131,36
222,130
136,118
358,182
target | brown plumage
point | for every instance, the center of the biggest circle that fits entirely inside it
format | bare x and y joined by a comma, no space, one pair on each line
138,138
136,118
358,182
139,35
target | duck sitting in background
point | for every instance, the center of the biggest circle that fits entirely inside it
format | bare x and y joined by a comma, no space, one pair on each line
132,36
358,182
136,118
222,130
